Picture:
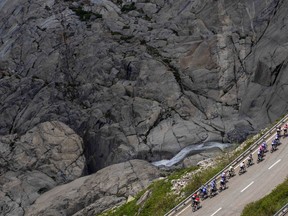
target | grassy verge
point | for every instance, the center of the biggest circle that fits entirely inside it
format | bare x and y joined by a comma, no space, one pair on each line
269,204
162,200
202,177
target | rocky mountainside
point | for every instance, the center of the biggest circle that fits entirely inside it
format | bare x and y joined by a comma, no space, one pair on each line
135,79
143,79
40,174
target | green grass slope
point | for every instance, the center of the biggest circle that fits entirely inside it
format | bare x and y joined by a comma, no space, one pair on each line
269,204
162,199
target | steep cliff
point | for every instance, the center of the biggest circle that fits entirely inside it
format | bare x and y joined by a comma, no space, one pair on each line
143,79
40,174
47,155
139,79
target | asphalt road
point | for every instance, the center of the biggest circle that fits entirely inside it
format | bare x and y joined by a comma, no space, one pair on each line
259,180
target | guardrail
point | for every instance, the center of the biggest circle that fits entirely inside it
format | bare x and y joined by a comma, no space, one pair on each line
233,163
282,211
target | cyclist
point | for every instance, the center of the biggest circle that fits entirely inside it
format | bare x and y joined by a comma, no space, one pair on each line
264,146
195,200
261,150
273,145
213,185
204,191
242,166
259,154
278,131
222,184
285,129
223,176
213,188
250,159
277,139
231,171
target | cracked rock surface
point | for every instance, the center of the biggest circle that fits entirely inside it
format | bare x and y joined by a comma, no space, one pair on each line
143,79
92,194
40,174
134,80
47,155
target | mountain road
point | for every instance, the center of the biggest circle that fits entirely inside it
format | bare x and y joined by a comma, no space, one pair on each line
259,180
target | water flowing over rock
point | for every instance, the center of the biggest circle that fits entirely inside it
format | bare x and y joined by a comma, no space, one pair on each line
143,80
190,150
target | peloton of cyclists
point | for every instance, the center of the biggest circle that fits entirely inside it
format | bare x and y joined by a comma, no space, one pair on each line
203,192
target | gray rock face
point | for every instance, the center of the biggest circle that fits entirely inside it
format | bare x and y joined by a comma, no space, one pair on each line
92,194
47,155
51,147
134,80
143,80
35,166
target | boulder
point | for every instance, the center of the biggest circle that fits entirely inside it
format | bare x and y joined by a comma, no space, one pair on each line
129,80
47,155
51,147
142,79
92,194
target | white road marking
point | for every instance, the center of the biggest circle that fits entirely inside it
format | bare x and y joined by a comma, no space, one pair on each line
244,188
216,211
247,186
182,210
255,151
274,164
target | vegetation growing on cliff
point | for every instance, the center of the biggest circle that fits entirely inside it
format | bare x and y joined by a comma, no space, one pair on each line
84,15
162,199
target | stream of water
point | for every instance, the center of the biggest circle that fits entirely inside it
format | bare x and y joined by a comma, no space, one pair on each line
190,150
